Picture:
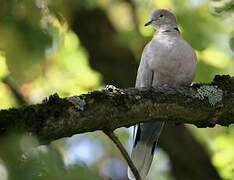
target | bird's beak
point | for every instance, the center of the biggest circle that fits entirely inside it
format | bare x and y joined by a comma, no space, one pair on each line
148,23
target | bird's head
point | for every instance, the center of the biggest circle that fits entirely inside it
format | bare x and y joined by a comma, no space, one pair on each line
162,18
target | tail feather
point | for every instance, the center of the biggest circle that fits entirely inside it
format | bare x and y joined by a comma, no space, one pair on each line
145,142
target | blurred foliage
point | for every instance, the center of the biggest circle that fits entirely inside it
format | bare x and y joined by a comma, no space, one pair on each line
41,55
23,39
26,161
224,156
223,6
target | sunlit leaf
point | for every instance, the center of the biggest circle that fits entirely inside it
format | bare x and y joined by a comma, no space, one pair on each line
3,67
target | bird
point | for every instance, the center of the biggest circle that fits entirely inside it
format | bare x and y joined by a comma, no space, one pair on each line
167,60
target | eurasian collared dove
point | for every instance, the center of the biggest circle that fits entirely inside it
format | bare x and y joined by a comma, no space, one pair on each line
166,60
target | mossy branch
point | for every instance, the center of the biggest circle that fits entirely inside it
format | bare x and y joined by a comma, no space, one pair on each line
111,108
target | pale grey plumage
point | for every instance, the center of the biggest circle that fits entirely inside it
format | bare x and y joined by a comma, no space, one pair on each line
166,60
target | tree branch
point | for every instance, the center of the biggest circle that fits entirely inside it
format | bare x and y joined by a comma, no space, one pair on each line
111,108
124,153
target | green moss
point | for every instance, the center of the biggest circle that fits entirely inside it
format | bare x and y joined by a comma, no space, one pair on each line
224,81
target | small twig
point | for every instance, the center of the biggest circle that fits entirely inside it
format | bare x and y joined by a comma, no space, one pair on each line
119,145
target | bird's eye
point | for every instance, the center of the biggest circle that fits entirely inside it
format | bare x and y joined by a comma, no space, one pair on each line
161,15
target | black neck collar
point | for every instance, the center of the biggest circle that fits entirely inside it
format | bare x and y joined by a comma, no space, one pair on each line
175,28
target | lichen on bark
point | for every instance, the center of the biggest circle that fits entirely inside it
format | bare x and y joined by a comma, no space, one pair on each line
213,93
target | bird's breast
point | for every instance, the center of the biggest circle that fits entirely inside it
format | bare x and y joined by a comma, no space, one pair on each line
172,63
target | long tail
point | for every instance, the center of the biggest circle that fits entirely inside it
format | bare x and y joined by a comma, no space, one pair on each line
144,145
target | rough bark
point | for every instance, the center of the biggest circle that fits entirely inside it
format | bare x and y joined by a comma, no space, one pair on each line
112,108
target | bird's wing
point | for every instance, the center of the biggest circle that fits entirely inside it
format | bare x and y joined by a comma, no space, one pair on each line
145,134
144,73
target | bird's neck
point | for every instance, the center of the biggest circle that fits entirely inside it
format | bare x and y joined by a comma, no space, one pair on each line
168,29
